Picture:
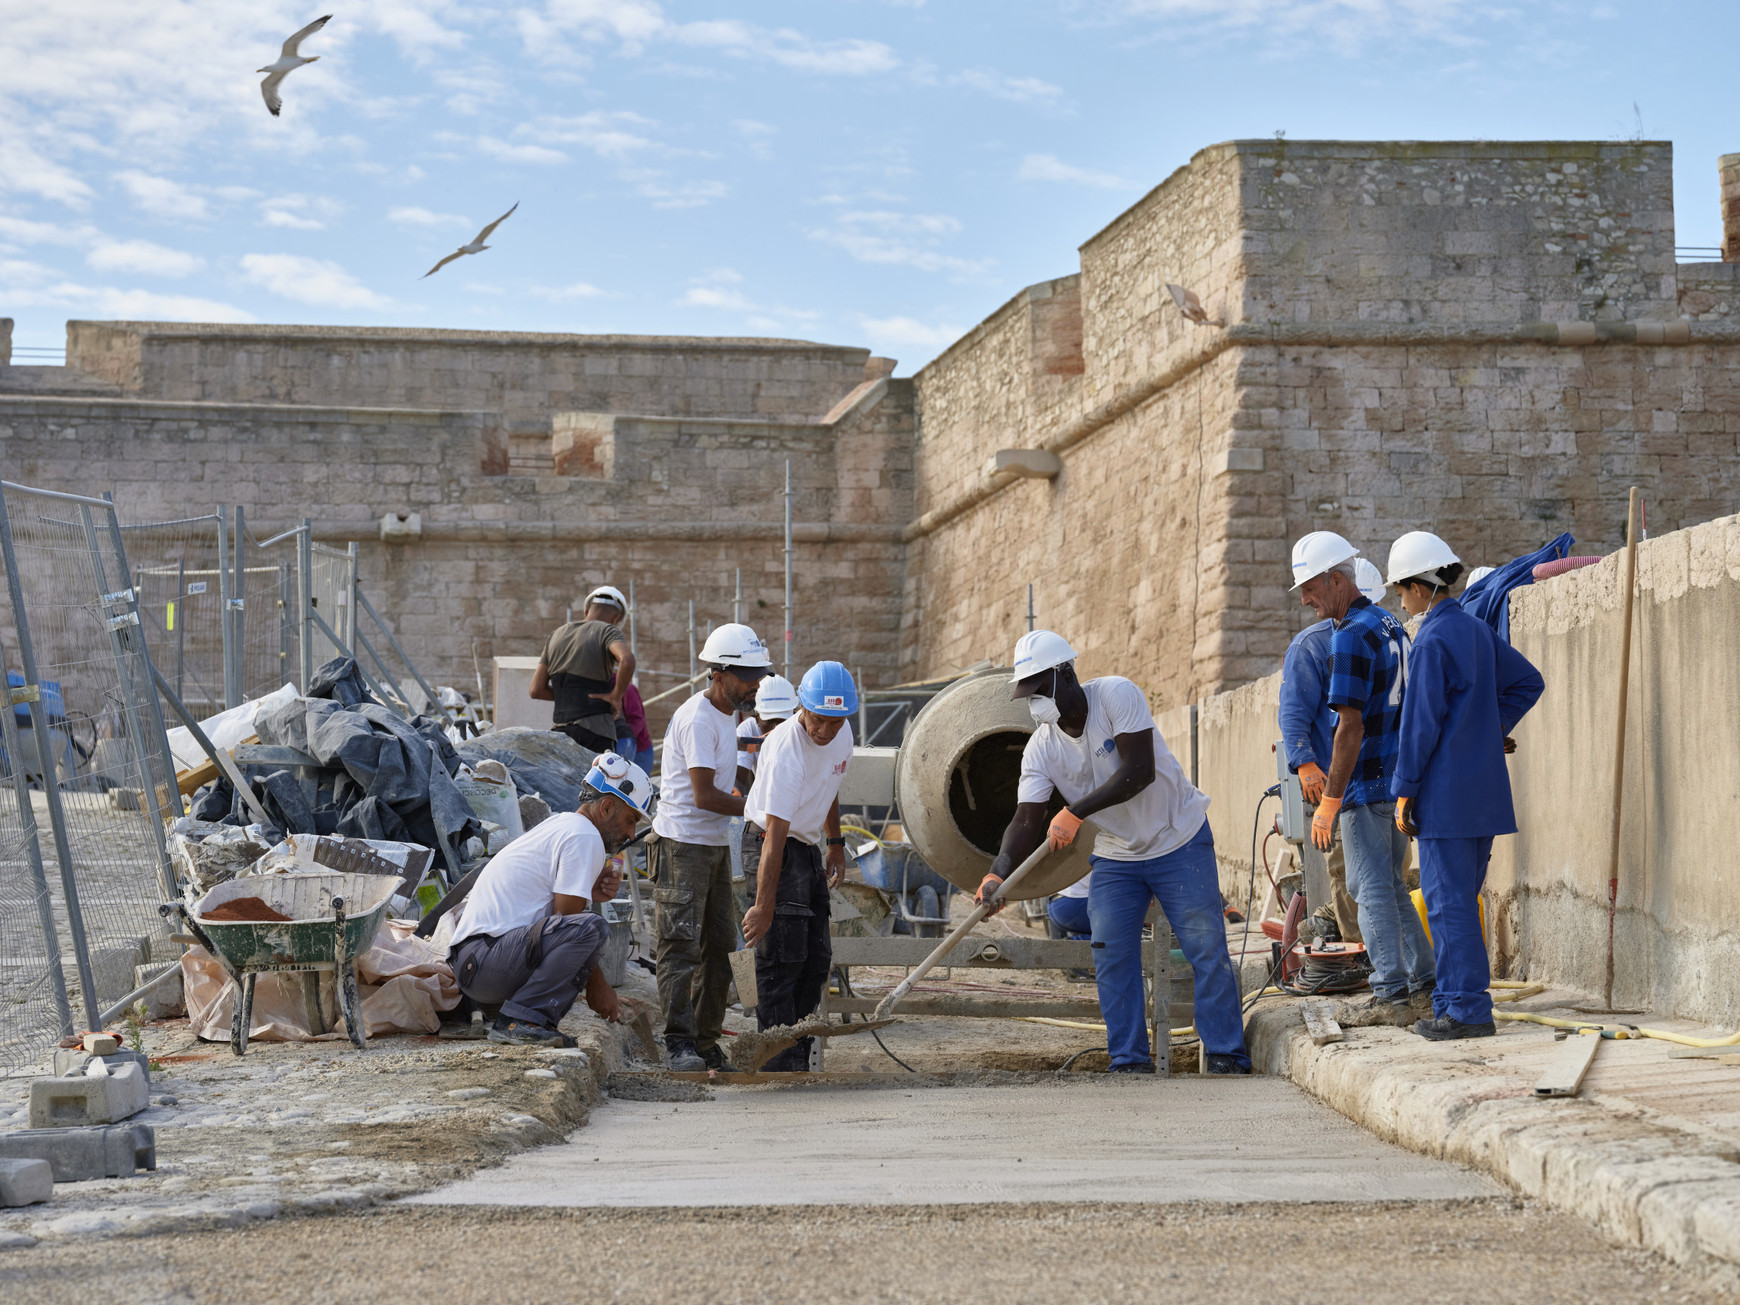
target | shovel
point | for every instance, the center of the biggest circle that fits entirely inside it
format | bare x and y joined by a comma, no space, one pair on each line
885,1007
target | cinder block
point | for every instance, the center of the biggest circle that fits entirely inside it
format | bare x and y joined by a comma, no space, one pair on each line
71,1060
25,1182
69,1102
76,1154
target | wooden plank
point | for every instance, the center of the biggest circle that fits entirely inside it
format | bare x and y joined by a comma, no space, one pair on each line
191,781
1565,1075
1320,1022
982,1006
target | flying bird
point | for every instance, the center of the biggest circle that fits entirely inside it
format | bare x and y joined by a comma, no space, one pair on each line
288,61
475,247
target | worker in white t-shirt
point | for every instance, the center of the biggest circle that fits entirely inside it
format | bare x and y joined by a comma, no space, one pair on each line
689,852
775,701
793,813
1097,747
524,939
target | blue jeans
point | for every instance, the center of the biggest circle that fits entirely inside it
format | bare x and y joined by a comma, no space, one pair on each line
1186,883
1452,871
1071,915
1377,854
644,759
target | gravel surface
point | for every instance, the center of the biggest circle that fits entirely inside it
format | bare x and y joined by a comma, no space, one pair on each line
1484,1250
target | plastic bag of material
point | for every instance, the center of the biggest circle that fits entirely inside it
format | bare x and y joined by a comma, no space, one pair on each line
489,788
225,730
205,855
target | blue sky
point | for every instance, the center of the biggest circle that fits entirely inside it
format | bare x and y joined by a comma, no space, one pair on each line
876,172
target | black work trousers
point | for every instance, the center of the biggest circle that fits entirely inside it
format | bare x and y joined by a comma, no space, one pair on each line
793,958
586,738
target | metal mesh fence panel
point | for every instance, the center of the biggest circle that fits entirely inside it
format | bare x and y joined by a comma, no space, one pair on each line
94,749
269,653
330,596
179,575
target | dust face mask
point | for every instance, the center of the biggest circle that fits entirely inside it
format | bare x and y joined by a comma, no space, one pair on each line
1045,710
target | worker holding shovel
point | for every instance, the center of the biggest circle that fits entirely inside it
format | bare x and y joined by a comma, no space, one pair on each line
1467,689
1096,744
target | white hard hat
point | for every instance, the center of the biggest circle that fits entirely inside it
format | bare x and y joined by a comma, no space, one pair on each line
776,699
1317,552
608,594
1416,553
735,645
1369,579
1475,576
621,778
1039,650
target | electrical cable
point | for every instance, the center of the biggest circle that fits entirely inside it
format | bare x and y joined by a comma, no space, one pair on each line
1078,1055
879,1042
1274,790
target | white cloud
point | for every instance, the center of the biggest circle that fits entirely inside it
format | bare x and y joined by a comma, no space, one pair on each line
606,134
511,153
717,290
422,217
909,330
299,212
24,170
676,194
1048,167
22,231
900,239
161,197
636,24
310,281
146,304
563,293
1347,25
32,285
1023,90
143,257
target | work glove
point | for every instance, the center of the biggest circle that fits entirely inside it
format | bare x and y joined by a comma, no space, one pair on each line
1323,823
1063,829
1312,781
987,886
1509,745
1405,817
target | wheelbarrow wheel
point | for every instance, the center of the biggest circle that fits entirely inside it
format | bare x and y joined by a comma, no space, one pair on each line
351,1005
242,1016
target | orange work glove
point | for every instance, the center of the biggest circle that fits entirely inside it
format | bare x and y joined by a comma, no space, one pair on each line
1323,824
1063,829
987,886
1312,781
1405,817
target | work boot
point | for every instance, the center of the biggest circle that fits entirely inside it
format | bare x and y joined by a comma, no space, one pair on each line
713,1058
1448,1029
1396,1011
1324,924
683,1058
1421,1002
1221,1062
1134,1067
523,1033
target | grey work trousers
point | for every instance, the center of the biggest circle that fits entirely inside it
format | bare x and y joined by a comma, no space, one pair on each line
696,930
534,972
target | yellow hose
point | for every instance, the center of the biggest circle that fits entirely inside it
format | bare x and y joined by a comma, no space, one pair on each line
1511,983
1619,1030
1187,1032
859,829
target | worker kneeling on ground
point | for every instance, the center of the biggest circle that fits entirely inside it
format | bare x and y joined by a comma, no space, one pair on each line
1467,689
1096,744
1367,671
524,939
689,852
794,813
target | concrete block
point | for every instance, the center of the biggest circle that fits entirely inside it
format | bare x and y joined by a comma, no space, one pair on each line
25,1182
72,1060
77,1154
68,1102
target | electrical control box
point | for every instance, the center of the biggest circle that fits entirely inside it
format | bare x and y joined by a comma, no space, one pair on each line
1293,826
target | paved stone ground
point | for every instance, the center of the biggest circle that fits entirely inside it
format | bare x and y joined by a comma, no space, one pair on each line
1395,1253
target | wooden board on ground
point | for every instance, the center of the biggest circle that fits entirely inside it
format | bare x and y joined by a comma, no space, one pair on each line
1570,1063
1320,1022
988,1006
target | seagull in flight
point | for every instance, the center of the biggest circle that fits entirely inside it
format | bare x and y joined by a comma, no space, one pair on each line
475,247
288,61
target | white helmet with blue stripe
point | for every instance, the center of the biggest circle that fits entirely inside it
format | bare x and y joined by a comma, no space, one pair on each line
622,779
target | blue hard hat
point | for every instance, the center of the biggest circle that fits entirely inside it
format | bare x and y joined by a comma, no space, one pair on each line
827,690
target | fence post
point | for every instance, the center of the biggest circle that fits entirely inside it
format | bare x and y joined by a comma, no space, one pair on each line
283,625
50,781
305,601
238,607
232,692
33,854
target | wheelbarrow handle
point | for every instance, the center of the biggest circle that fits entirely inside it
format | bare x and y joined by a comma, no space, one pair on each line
187,918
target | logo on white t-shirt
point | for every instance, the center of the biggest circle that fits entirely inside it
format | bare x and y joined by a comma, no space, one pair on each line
841,768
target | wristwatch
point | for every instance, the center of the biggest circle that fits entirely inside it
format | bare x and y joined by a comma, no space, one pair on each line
836,842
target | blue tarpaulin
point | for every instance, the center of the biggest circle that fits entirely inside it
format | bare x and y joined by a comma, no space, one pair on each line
1489,599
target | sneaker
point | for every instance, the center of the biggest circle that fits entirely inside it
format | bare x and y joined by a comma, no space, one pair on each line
683,1058
713,1058
522,1033
1221,1062
1447,1029
1135,1067
1397,1012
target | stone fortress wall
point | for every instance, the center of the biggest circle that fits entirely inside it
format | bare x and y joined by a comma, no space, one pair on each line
1492,340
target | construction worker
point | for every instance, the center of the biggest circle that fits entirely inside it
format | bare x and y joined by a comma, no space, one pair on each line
1096,745
1367,662
775,701
525,939
585,670
793,816
1307,726
1467,689
689,851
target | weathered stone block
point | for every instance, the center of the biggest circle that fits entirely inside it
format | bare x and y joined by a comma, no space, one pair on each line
77,1154
25,1182
84,1100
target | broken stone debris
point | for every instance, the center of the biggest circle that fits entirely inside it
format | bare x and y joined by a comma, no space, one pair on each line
25,1182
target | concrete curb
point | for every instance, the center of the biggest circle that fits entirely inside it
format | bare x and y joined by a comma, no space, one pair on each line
1643,1183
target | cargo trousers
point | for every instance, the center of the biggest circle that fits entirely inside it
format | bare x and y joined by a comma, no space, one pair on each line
793,958
696,930
535,972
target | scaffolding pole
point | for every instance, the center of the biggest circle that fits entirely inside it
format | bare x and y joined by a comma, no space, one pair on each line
788,568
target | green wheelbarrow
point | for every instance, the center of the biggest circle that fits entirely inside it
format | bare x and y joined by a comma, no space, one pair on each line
333,919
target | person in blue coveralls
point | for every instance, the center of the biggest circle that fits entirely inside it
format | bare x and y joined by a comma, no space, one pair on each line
1467,689
1095,745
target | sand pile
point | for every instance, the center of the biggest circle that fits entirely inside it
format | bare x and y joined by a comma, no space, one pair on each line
244,909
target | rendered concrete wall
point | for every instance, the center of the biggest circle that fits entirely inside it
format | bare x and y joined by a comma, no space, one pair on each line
511,700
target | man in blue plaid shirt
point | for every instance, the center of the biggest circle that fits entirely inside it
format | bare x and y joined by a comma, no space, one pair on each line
1367,678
